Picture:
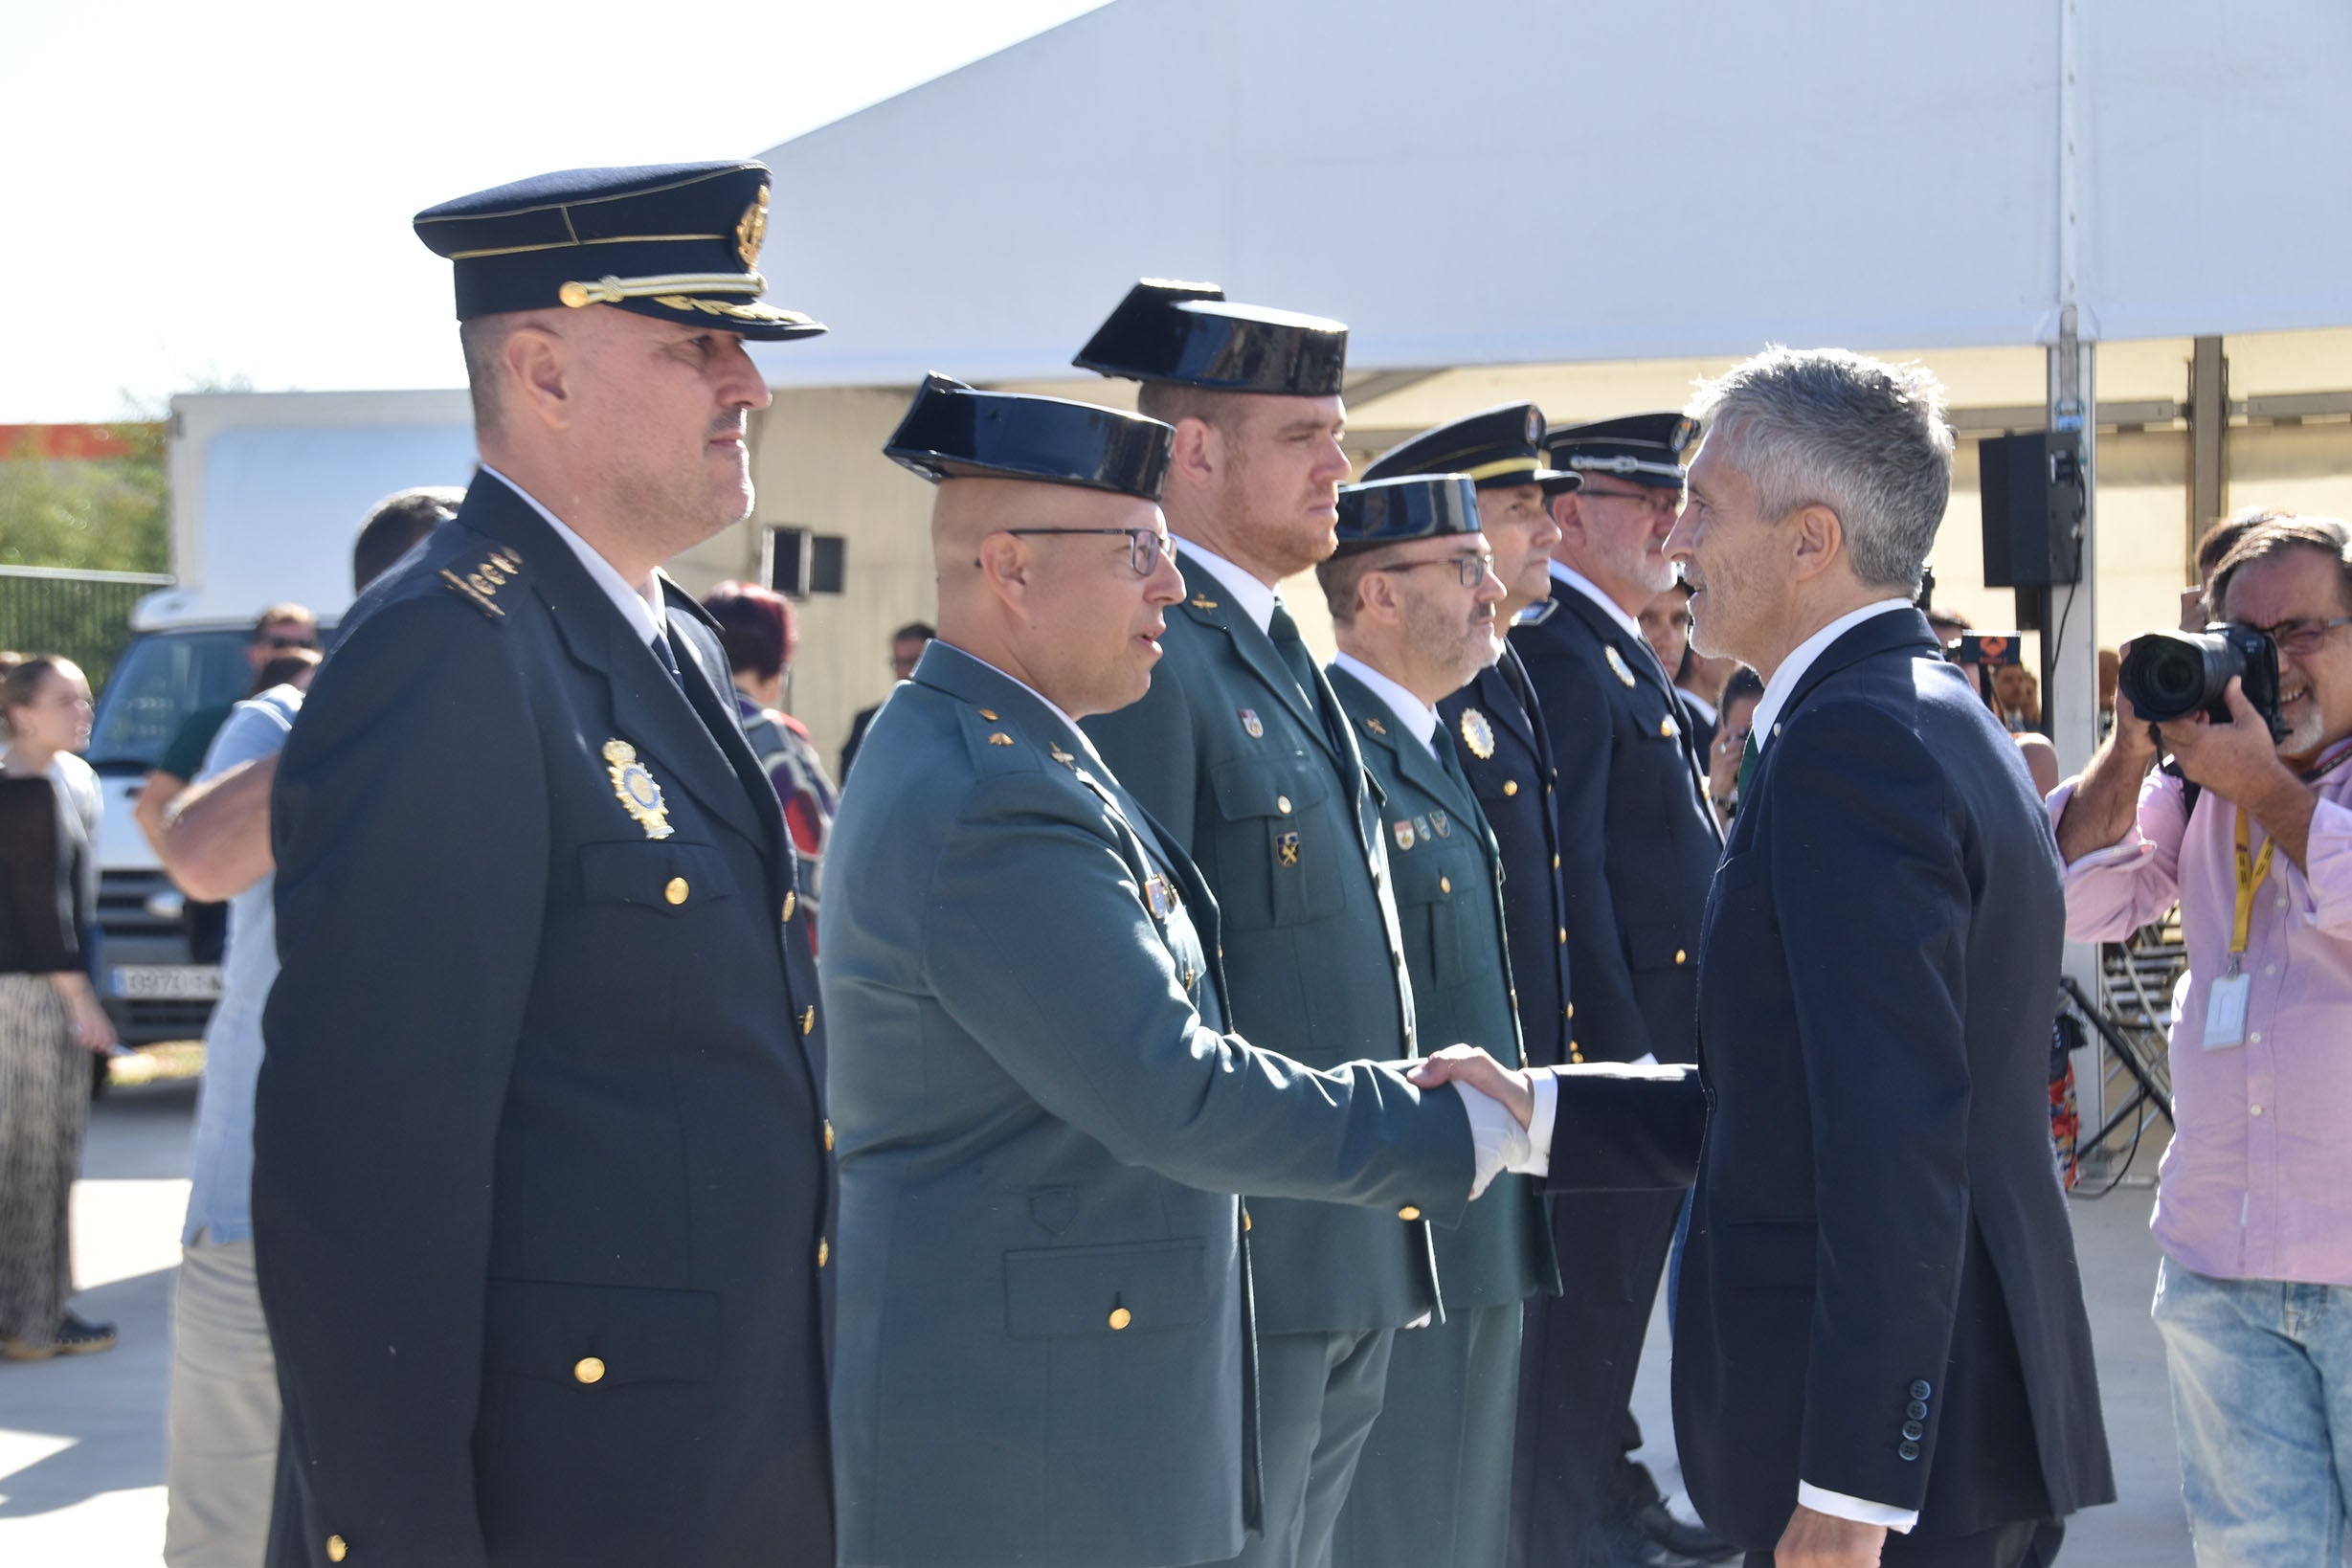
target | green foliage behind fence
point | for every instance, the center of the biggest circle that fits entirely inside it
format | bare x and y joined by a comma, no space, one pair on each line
85,616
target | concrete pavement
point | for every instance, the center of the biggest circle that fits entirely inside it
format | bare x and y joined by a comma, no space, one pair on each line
82,1452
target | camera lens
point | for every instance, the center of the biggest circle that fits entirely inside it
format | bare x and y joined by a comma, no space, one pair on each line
2168,674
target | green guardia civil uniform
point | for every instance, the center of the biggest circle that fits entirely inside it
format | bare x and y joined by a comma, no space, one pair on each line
1260,782
1045,1358
1433,1485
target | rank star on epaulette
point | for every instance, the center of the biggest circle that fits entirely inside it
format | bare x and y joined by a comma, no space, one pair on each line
1616,662
1201,601
482,582
1375,727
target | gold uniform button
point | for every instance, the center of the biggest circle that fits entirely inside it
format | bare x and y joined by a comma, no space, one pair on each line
336,1551
792,902
1680,957
676,891
1245,1218
828,1137
1408,1213
1511,786
1445,885
824,1252
1120,1318
808,1019
1569,1011
1573,1054
1556,862
588,1370
1282,804
1563,936
989,713
1666,729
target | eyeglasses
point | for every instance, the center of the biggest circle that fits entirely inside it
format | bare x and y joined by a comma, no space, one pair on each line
1469,570
282,642
2301,637
1666,503
1146,548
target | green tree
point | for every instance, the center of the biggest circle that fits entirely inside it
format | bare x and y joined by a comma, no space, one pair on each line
107,514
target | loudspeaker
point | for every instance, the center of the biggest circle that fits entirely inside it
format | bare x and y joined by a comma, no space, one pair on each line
801,562
2032,490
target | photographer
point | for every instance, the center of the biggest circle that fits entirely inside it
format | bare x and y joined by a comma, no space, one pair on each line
2257,1277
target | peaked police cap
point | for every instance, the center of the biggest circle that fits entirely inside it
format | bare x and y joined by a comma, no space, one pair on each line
679,242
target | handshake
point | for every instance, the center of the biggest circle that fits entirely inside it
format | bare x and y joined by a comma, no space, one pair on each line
1613,1126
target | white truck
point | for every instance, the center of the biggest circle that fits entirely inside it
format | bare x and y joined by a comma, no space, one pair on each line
268,491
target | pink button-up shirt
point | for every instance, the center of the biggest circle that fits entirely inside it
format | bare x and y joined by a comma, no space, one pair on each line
2257,1184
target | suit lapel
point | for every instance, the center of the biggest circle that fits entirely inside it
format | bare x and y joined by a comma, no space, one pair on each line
710,693
649,711
1895,633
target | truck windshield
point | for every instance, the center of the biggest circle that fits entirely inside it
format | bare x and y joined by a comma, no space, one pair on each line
159,680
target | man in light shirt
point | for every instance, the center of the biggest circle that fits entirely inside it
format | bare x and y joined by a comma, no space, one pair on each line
2252,1213
1881,1354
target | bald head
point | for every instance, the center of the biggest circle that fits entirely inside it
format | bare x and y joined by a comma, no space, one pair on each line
1039,581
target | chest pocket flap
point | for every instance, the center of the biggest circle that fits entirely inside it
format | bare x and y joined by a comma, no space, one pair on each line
663,873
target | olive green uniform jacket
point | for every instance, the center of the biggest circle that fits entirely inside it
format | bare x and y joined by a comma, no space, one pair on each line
1269,796
1043,1341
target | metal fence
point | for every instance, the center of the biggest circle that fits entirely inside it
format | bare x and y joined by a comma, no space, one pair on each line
84,616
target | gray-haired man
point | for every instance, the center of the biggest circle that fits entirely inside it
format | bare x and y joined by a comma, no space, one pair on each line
1880,1324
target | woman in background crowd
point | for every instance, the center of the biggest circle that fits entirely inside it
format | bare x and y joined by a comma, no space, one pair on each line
49,1011
1735,713
755,628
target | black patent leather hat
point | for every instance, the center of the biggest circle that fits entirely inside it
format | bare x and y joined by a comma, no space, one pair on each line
1191,335
952,431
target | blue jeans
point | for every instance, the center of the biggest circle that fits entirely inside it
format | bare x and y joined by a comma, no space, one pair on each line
2262,1407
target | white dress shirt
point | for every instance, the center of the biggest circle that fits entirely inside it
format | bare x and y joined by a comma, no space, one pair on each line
1763,727
1419,718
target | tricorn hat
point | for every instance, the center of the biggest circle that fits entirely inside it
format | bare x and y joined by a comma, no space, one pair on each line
1397,511
952,431
679,242
1192,335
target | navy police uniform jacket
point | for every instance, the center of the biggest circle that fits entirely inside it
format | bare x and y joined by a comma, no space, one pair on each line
1880,1295
1514,781
1045,1351
540,1183
1638,841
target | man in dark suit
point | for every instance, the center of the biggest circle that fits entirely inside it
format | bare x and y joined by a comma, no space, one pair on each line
540,1185
1637,843
1413,601
1241,752
907,645
1880,1348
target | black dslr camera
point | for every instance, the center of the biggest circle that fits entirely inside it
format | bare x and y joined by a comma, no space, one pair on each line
2168,675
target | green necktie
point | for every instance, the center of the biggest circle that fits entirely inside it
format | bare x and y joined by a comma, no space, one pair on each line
1283,632
1747,766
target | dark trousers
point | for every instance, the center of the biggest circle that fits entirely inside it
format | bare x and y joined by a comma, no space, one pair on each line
1318,1395
1577,1359
2022,1543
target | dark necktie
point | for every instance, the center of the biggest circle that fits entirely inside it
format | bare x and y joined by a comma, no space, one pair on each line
667,657
1747,766
1283,631
1450,760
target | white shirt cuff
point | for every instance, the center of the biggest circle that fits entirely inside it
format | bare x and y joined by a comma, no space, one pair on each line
1495,1134
1860,1509
1538,1162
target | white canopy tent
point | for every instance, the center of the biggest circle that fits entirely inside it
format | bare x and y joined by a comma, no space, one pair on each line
1517,181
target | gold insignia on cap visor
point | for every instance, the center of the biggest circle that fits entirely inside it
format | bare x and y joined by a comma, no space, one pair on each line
639,795
752,230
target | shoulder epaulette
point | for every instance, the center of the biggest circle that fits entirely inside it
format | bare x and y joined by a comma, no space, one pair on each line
994,746
482,582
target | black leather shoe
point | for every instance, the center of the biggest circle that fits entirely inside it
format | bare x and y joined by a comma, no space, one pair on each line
1661,1528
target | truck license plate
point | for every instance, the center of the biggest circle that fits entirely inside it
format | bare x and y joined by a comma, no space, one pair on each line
166,982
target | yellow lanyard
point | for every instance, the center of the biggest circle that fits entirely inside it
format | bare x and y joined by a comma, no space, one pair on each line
2251,872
